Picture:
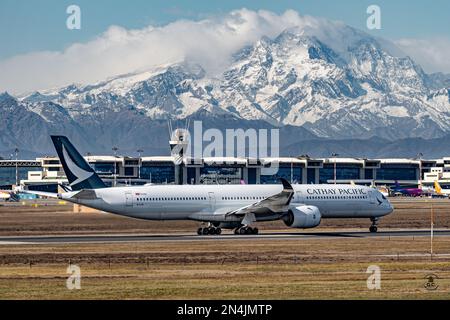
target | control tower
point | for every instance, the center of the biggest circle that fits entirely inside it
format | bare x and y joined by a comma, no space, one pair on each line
178,146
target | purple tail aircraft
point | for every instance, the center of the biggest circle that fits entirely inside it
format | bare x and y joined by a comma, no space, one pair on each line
412,192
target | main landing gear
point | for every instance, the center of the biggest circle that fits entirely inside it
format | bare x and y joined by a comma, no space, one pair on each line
373,228
246,230
211,230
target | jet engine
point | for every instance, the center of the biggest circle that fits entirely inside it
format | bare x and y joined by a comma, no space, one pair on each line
303,217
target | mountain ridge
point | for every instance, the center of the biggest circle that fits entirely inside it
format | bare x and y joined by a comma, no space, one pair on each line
318,89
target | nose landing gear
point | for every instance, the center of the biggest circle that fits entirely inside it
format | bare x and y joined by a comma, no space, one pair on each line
374,227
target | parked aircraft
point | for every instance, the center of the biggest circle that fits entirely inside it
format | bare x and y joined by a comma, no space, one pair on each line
406,191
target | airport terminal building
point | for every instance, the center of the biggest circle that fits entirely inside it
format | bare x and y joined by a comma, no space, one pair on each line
46,173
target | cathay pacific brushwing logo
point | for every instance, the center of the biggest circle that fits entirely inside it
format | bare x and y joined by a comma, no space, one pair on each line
379,201
79,173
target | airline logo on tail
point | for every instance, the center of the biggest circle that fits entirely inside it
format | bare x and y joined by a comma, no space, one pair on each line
79,173
77,169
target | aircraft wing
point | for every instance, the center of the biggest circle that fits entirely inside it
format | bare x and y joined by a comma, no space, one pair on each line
85,194
43,194
273,204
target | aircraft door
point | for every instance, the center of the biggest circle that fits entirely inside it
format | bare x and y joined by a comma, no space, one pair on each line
128,199
212,201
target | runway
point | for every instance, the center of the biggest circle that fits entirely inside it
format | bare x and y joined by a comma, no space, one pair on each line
107,238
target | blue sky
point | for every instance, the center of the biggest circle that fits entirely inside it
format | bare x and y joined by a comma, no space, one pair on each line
27,26
38,52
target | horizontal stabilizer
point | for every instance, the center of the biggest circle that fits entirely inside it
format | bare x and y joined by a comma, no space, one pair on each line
86,194
43,194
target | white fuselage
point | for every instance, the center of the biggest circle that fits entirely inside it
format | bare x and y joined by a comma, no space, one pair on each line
212,202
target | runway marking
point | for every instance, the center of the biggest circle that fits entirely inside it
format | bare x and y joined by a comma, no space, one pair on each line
14,242
108,238
414,255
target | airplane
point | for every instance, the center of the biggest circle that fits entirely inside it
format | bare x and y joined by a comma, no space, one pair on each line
438,190
412,192
383,190
5,195
235,207
8,195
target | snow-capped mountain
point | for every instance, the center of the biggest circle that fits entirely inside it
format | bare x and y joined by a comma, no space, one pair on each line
352,87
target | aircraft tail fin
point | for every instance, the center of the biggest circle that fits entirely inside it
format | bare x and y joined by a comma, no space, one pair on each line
437,187
78,171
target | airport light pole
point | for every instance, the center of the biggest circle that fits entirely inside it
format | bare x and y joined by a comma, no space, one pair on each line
431,231
115,165
17,166
334,155
139,151
420,155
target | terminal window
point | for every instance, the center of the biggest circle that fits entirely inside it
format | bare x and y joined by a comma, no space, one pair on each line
289,173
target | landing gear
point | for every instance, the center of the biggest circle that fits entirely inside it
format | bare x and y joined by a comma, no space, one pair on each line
373,228
209,231
246,230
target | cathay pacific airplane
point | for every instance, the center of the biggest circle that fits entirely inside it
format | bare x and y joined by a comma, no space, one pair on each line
236,207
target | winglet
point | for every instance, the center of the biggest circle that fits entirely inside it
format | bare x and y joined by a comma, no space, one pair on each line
286,184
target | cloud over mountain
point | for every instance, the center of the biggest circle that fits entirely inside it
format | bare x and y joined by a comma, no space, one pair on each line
210,42
431,54
118,50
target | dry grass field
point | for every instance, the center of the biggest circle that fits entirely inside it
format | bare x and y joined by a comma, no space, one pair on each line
279,269
322,268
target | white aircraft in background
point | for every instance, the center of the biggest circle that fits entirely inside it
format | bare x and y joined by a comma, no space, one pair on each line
383,190
221,206
4,195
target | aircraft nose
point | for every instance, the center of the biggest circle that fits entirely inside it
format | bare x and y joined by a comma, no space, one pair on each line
390,207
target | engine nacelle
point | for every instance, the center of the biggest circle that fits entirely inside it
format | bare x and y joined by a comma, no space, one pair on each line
303,217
